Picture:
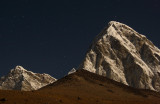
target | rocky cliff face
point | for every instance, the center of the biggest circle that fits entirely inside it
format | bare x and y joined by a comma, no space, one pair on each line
122,54
21,79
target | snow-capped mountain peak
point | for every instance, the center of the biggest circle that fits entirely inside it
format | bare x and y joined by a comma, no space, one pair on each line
122,54
22,79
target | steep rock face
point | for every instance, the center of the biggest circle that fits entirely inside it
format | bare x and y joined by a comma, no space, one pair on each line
122,54
21,79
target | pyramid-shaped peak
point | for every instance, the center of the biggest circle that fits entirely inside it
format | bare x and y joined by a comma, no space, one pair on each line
124,55
119,31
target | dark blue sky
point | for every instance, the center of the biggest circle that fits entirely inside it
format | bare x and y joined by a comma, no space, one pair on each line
53,36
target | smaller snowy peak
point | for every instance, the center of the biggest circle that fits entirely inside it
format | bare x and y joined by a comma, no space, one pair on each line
18,69
22,79
72,71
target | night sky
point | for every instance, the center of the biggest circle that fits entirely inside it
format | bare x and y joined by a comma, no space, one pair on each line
53,36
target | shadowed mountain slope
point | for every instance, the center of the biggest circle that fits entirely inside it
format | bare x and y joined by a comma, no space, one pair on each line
82,87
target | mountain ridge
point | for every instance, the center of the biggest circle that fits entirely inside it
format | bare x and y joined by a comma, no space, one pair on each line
82,87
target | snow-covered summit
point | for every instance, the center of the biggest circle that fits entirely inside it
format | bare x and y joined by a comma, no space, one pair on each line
22,79
122,54
19,69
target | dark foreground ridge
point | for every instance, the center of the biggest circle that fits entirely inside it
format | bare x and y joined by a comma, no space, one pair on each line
82,87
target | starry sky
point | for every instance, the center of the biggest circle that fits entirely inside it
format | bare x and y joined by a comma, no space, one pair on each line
53,36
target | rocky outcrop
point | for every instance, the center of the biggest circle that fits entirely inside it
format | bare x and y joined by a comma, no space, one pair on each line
21,79
122,54
72,71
